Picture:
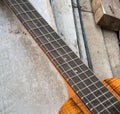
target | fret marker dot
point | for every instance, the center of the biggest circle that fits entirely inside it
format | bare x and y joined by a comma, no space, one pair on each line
82,97
48,38
76,71
65,59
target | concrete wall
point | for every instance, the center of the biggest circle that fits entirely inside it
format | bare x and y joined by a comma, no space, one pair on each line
29,84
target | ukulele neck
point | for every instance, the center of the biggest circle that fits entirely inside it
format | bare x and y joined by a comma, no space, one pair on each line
83,81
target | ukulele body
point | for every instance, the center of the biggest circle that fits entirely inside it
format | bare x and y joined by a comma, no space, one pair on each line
75,106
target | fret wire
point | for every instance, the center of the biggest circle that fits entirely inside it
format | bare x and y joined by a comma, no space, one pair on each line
49,52
86,98
63,55
70,53
89,94
28,26
51,40
99,97
104,95
57,40
64,45
45,34
74,71
52,36
23,3
74,60
75,76
89,86
58,66
84,95
53,45
9,3
96,97
94,84
32,11
25,12
47,30
65,62
110,106
16,11
43,27
77,66
57,51
38,27
41,31
100,90
35,25
49,33
94,94
100,104
84,79
103,102
28,7
112,103
65,72
32,20
18,4
75,84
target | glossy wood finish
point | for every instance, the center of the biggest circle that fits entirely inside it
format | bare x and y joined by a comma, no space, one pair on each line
75,106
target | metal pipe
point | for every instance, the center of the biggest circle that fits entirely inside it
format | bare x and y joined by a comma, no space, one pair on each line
84,36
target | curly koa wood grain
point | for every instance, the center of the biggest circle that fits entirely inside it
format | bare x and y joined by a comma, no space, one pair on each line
75,106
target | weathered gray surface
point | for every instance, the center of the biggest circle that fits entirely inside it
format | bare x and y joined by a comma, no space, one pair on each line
97,47
113,50
68,25
29,84
103,45
65,22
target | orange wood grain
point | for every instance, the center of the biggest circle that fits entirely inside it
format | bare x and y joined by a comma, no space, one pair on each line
75,106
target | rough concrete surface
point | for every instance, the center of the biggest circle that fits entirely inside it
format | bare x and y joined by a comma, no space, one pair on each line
63,13
97,47
29,84
113,50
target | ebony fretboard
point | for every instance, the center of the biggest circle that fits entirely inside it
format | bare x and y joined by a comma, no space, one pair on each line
92,92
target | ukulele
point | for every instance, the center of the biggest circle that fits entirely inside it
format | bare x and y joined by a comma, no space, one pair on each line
88,95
